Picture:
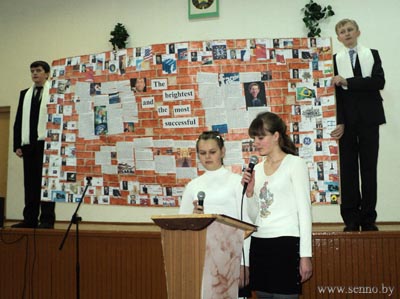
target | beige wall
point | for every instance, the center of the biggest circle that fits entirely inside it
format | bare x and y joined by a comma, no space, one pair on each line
69,28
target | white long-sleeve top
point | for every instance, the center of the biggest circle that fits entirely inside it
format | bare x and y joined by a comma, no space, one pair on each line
281,204
223,192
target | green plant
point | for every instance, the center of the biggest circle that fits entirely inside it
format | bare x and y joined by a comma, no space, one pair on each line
313,15
119,37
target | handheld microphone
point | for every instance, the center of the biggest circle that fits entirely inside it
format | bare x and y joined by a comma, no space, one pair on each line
200,198
253,161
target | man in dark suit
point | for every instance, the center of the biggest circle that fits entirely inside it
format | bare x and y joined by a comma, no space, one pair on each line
359,77
29,136
255,96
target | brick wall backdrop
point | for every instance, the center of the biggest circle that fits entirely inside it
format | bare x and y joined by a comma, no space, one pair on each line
138,145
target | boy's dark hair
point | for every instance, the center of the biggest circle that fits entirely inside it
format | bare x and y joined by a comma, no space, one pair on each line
343,22
41,63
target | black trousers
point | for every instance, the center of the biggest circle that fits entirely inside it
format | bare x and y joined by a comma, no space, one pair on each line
33,164
245,292
359,147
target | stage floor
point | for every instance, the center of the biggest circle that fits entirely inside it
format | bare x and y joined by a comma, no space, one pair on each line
151,227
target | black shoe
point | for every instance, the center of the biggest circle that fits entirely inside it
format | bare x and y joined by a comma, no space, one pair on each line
46,225
369,227
23,225
351,228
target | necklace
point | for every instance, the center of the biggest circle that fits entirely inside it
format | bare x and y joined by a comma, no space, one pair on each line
269,159
270,166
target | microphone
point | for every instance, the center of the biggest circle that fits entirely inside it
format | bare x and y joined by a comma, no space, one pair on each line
200,198
253,161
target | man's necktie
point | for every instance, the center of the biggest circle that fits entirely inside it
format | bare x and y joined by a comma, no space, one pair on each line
38,91
351,53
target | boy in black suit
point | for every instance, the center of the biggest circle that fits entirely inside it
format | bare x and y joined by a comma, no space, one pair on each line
358,79
29,136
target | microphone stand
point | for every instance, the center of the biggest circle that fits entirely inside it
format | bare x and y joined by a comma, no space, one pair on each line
76,219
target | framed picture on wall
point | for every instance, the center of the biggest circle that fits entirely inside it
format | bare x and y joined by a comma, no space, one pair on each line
203,8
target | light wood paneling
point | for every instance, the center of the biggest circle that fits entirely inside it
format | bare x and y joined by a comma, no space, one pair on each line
126,262
112,265
355,265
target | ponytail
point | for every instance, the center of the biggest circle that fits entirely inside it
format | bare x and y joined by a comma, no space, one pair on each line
287,145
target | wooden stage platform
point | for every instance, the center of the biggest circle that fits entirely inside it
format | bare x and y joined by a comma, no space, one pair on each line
124,261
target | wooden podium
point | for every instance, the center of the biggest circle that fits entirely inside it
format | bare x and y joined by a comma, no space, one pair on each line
202,254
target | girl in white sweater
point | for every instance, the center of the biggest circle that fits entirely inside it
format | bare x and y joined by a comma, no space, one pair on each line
278,197
222,188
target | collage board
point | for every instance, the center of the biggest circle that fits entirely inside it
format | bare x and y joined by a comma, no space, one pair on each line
129,119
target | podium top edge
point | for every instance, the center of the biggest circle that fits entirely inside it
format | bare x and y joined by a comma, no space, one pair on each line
183,216
199,221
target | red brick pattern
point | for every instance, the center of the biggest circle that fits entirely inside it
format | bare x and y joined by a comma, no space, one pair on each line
69,159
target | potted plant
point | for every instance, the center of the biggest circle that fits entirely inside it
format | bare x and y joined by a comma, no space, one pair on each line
119,37
313,15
